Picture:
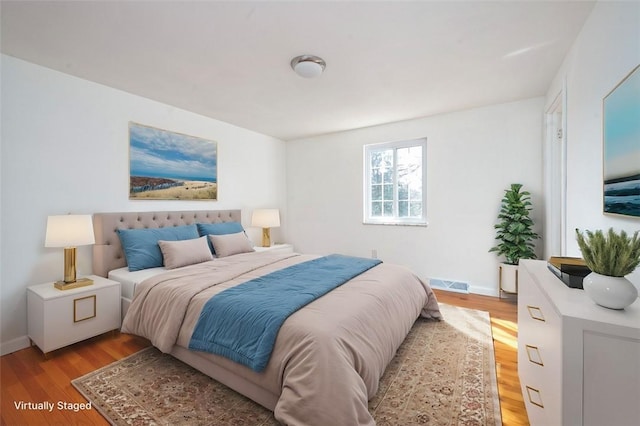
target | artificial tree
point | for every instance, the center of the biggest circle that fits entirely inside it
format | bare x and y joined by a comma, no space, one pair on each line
514,231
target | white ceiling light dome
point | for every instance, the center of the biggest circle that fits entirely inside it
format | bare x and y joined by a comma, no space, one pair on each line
308,66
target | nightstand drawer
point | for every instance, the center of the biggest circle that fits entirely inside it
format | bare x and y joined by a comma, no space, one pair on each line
58,318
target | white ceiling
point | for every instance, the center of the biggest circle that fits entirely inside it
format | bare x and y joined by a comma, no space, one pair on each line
386,60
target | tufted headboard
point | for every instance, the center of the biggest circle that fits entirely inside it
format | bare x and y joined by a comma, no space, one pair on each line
107,251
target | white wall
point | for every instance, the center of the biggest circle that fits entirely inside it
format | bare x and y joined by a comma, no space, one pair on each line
606,50
65,148
472,157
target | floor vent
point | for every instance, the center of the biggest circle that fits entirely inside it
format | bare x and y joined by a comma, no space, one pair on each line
457,286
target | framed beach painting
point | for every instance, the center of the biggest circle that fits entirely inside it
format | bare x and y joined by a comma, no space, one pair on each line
621,147
165,165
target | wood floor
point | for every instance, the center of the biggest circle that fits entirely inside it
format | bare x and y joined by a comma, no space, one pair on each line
26,376
504,318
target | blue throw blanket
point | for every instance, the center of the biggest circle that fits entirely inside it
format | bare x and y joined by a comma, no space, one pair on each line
242,322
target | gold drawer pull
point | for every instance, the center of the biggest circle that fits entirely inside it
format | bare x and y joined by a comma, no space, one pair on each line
534,355
84,308
534,396
536,313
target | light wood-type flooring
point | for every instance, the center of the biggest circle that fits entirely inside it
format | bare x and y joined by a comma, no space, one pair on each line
27,376
504,318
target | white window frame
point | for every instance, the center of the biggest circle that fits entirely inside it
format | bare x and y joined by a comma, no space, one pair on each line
395,219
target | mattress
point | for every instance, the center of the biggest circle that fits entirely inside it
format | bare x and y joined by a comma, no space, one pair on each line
128,280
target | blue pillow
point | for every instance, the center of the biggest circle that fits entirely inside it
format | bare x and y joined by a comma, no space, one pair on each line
141,245
222,228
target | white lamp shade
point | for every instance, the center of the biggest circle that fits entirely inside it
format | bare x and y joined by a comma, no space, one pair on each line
265,218
69,231
308,69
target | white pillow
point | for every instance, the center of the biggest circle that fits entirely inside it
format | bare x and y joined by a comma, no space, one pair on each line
185,252
229,244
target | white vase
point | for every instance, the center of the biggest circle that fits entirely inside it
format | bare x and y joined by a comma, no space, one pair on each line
610,292
508,278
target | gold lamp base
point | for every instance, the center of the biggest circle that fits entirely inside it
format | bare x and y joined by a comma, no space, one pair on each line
81,282
70,280
266,237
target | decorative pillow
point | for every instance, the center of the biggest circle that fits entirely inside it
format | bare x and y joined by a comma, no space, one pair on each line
229,244
222,228
185,252
141,248
219,228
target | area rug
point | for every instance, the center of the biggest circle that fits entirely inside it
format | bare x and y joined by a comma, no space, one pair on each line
443,374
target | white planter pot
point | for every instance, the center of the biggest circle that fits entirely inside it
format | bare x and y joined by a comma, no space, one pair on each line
610,292
508,278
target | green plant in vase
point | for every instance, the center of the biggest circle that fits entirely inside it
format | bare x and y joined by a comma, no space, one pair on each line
610,257
514,232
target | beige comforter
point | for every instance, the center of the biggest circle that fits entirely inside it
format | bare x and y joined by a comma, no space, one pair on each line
328,356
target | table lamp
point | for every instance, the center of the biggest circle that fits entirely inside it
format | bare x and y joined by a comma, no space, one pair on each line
266,219
69,231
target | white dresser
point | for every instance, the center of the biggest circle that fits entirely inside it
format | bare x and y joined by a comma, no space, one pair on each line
579,363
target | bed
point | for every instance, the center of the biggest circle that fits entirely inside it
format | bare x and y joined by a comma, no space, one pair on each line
328,356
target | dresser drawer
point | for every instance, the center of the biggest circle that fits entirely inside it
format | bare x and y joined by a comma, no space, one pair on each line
536,310
539,353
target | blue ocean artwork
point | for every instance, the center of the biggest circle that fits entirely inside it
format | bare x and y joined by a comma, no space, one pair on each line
621,189
623,197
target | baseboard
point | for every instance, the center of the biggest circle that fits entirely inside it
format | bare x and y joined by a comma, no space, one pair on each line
462,287
483,291
451,290
14,345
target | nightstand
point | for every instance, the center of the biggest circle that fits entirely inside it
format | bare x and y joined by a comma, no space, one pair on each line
280,248
58,318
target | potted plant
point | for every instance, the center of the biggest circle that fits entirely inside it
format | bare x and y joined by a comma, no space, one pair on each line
610,257
515,235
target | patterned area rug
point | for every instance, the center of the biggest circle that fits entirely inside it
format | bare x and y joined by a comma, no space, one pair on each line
443,374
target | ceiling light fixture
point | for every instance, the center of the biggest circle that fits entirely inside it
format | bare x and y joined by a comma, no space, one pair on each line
308,66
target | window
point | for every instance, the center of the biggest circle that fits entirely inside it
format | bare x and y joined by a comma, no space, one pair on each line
395,178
